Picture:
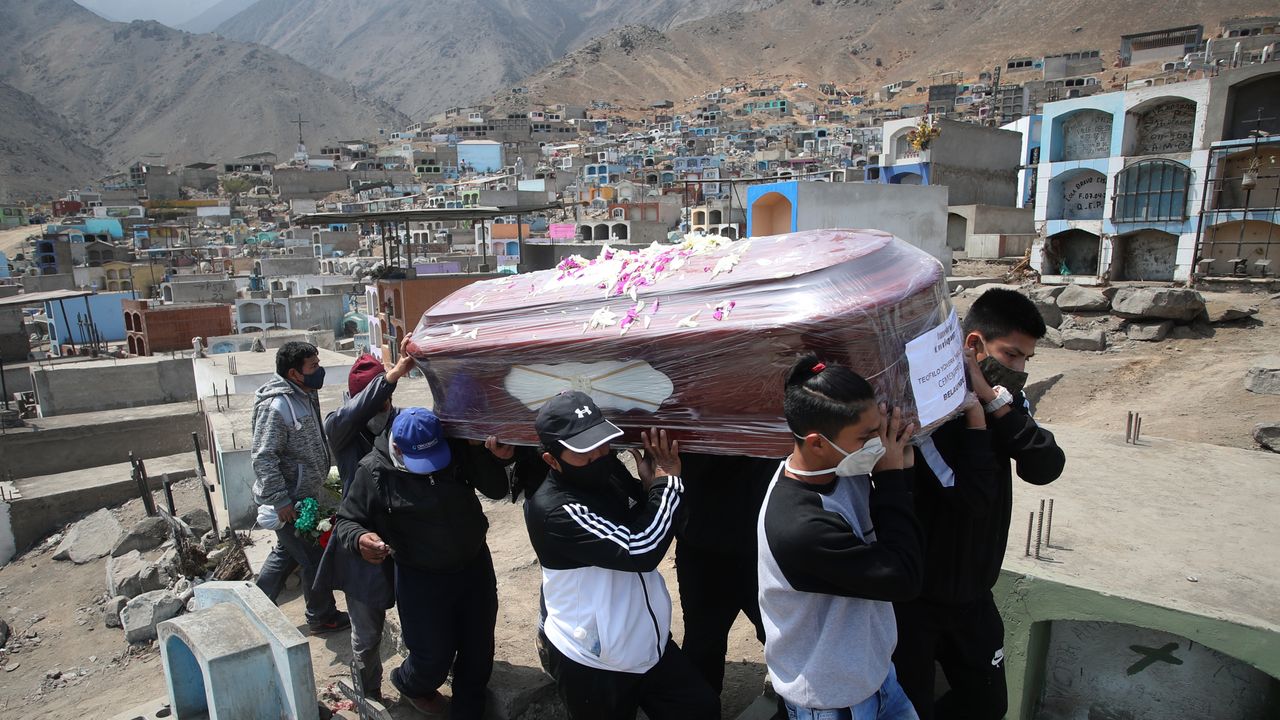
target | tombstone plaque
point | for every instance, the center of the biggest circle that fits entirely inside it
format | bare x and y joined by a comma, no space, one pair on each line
1086,135
1083,196
1166,128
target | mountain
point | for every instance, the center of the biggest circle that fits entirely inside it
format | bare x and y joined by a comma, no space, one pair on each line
40,155
166,11
143,89
426,55
219,13
856,43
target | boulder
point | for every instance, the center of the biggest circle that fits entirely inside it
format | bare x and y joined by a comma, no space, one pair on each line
111,611
979,291
90,539
1221,312
1084,340
1268,435
1052,338
198,520
1185,332
141,615
1149,331
147,534
1264,377
1137,303
1075,298
1049,311
1047,292
130,575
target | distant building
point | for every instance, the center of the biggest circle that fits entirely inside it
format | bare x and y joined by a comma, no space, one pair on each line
1159,45
977,164
917,215
1073,64
1123,177
152,329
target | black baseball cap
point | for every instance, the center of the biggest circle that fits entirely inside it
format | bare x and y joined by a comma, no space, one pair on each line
573,420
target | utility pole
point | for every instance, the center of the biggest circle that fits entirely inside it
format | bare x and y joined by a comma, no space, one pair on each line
995,98
299,122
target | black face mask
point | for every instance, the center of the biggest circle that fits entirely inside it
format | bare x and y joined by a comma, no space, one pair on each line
594,474
997,373
315,380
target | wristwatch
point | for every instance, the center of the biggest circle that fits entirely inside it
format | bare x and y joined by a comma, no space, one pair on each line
1003,397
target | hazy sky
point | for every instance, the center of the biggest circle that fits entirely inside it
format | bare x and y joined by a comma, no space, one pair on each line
169,12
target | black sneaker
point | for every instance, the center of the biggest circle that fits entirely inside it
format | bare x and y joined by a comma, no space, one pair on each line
339,622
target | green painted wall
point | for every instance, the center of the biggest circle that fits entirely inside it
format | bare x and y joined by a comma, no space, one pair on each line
1029,604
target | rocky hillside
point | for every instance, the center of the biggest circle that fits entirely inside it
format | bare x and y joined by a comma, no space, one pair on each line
858,43
40,155
210,19
426,55
144,90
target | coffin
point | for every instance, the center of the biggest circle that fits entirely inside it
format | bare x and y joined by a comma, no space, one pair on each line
695,338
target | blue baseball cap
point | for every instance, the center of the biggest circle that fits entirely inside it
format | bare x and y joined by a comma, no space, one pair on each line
420,439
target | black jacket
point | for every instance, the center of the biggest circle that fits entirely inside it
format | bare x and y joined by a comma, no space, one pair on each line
350,440
965,514
722,499
432,522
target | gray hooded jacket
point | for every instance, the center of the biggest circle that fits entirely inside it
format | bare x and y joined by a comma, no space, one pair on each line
290,455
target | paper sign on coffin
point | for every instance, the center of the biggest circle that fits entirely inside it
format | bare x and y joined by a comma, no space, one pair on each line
696,338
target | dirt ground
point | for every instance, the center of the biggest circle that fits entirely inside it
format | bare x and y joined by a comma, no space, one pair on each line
1185,389
13,240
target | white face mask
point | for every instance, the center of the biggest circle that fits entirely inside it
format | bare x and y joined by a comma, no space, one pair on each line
859,462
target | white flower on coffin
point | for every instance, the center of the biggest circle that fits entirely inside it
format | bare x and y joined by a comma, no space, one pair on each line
632,385
604,317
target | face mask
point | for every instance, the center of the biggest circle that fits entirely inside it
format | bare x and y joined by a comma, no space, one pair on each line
593,474
860,462
378,422
997,373
315,380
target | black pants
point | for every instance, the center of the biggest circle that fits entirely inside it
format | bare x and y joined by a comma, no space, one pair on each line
714,588
447,620
670,690
968,642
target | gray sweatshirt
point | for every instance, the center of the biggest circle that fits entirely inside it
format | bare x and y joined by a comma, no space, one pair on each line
828,580
290,455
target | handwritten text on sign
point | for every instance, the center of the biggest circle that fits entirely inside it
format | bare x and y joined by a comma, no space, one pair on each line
936,362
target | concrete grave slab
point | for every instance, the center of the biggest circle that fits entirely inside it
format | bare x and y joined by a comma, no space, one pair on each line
219,664
1148,538
290,653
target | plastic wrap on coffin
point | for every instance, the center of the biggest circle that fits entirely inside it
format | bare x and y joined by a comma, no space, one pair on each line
695,338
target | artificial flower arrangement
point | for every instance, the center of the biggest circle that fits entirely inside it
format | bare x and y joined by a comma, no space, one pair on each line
923,133
313,525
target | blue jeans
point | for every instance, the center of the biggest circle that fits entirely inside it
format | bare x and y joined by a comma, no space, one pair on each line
888,703
292,552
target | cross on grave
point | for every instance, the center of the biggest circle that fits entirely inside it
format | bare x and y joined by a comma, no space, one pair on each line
1257,124
1151,656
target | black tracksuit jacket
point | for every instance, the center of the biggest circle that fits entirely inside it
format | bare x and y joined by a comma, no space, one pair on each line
966,525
